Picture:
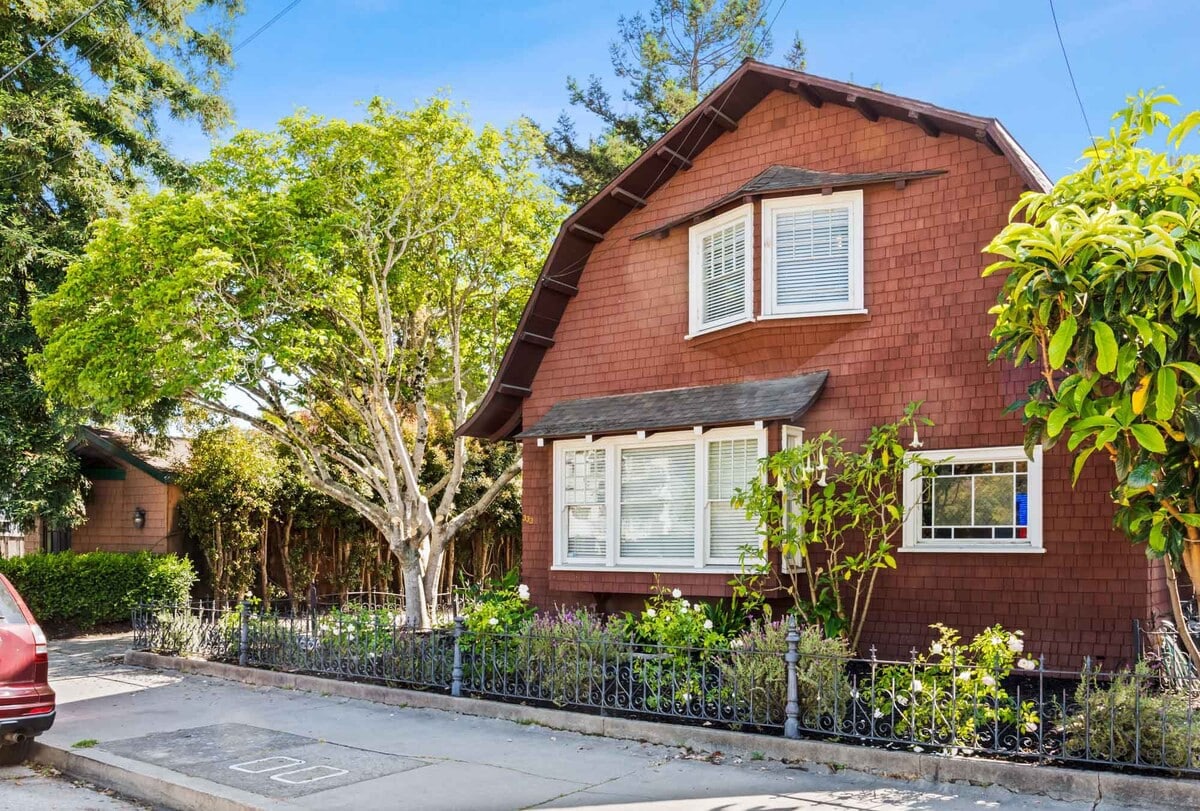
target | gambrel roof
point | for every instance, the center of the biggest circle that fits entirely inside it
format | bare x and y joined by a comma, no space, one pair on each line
499,415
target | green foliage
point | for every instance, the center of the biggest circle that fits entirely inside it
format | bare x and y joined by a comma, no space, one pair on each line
953,694
498,606
670,619
1129,721
1100,295
81,133
755,673
565,652
229,486
668,60
838,512
360,630
83,589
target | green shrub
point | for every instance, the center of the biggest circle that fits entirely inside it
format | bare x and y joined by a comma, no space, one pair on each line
499,606
1131,721
755,674
953,695
83,589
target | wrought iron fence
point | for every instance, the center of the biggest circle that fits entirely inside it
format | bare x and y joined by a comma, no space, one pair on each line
1141,720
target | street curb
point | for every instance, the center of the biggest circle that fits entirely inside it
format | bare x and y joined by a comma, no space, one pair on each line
146,782
1021,778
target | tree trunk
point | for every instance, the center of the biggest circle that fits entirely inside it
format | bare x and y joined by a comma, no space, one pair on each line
285,555
1185,635
416,611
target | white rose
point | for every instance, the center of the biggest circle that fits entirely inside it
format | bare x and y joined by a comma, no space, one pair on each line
650,612
493,621
877,714
936,648
917,686
1026,664
687,696
523,591
708,625
1031,726
697,608
989,681
964,676
1016,644
676,593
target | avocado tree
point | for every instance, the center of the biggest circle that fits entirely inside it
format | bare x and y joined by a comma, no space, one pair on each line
337,286
1102,297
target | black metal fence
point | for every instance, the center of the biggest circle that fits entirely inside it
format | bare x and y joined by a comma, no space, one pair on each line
1143,720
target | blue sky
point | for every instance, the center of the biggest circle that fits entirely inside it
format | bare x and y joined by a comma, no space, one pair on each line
506,58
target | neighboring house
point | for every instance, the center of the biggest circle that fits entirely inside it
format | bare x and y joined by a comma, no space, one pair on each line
131,502
800,255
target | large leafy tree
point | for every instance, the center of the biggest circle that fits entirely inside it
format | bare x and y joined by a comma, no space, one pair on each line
1102,296
78,133
339,287
668,60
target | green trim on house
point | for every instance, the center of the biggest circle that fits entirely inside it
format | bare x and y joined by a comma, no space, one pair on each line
103,473
117,451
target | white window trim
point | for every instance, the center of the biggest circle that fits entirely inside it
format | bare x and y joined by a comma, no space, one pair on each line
1032,543
696,236
853,199
612,447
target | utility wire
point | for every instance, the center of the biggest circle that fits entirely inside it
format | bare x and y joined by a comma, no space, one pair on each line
1071,75
236,48
53,39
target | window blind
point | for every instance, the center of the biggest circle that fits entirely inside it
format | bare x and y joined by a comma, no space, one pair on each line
584,494
723,274
732,464
812,257
658,502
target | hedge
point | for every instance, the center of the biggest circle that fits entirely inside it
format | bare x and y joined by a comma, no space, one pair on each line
83,589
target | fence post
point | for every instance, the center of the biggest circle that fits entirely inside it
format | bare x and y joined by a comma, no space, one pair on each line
312,610
244,640
456,671
791,726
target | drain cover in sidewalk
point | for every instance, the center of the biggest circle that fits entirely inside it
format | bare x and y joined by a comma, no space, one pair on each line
262,761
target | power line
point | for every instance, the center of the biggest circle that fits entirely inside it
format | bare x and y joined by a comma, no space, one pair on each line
1071,75
111,131
53,39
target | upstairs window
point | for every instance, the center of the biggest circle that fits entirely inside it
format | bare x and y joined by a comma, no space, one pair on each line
721,275
812,254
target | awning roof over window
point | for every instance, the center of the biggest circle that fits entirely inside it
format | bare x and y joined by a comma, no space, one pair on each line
790,180
784,398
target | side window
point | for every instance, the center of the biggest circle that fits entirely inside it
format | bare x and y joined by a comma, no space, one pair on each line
812,254
721,285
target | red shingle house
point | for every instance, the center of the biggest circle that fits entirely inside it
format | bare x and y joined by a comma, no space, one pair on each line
800,254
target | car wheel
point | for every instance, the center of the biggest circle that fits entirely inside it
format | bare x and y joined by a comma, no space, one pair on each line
15,753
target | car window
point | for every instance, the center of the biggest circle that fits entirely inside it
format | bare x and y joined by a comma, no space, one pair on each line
10,612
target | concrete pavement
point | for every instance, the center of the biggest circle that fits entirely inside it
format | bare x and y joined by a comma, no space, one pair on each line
225,745
23,788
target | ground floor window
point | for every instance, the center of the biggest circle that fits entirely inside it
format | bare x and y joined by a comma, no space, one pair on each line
655,502
976,500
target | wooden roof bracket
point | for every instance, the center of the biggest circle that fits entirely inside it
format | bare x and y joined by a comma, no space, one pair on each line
805,92
515,391
927,126
671,156
559,286
537,340
720,119
585,232
864,107
628,197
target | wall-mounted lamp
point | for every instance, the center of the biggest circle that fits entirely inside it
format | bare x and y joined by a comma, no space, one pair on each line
139,517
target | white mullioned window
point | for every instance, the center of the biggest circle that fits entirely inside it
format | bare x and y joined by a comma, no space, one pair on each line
656,503
721,275
812,256
976,500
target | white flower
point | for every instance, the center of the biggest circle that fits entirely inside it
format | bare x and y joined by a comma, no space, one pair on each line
737,643
902,701
853,693
877,714
686,604
687,696
989,681
676,593
708,625
697,608
997,640
917,686
1031,726
493,621
650,612
936,647
683,609
964,676
523,591
1026,664
1016,644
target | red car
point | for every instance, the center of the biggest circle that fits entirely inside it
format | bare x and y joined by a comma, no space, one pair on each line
26,700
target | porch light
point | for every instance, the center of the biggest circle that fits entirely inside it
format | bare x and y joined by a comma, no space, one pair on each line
139,517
